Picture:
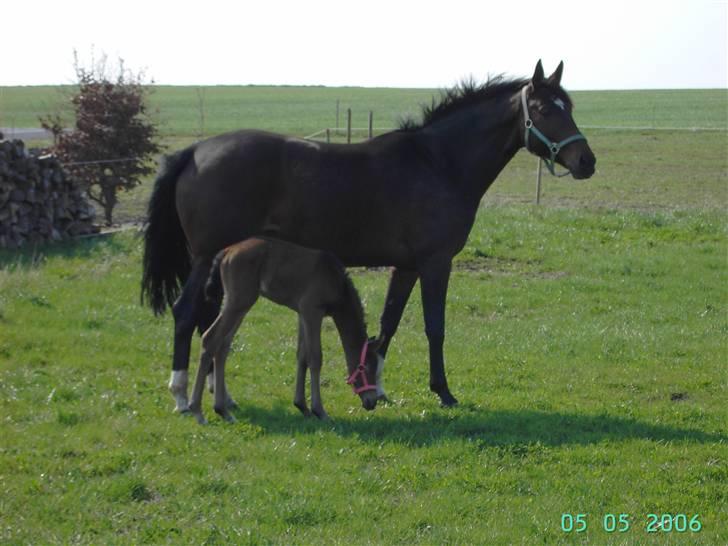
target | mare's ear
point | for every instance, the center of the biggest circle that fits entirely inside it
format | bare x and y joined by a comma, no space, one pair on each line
555,78
538,75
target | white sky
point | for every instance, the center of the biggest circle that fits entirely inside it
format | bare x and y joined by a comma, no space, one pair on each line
604,44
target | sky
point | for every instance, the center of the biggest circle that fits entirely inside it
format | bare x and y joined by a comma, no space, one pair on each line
374,43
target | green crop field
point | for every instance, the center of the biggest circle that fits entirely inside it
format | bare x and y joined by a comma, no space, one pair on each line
586,341
304,110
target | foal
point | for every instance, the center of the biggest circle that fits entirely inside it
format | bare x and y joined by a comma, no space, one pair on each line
311,282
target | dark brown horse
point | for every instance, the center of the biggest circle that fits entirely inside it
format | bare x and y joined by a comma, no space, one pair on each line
406,199
311,282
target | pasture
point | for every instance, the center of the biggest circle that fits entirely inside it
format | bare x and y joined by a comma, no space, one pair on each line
586,342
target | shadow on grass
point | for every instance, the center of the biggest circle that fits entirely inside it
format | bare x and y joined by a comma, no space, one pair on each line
485,428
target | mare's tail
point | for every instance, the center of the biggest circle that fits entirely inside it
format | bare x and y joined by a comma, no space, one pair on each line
213,286
166,262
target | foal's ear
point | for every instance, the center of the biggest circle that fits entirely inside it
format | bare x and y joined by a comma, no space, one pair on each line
375,344
538,75
555,78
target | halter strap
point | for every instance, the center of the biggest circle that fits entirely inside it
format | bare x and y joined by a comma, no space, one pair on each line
361,371
553,147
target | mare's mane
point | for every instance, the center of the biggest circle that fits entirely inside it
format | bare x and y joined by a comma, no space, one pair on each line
467,93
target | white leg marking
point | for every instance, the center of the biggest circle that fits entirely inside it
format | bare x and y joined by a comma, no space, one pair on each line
211,381
380,380
178,388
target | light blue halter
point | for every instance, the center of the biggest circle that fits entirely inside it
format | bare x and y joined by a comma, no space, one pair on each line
554,147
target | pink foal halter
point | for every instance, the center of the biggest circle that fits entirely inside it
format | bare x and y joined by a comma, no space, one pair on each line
361,371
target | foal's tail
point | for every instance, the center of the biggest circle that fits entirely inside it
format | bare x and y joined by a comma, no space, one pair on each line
213,286
166,262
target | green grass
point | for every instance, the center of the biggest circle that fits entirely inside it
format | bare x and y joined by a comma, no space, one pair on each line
641,169
304,110
586,341
588,349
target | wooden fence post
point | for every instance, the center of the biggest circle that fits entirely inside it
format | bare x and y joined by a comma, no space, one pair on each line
371,124
538,181
337,116
328,135
348,125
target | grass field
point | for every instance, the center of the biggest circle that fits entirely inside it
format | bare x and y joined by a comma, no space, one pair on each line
586,341
304,110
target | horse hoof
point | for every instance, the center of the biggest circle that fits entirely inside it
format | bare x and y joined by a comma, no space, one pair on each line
303,409
225,414
447,400
200,419
231,404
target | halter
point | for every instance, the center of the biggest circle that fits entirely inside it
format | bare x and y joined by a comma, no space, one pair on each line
361,370
554,147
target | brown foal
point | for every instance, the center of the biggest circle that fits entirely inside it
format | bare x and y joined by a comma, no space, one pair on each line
312,283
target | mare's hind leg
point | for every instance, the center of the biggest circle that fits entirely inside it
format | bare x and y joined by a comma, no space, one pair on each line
299,398
186,317
312,330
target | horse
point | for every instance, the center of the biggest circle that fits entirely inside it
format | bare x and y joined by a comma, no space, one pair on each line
406,199
311,282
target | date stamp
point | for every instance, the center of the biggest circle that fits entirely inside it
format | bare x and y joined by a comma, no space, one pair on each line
622,523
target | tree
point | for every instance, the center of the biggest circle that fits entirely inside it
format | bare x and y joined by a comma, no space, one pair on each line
114,137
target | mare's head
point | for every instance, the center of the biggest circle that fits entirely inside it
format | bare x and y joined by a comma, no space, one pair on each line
552,133
363,380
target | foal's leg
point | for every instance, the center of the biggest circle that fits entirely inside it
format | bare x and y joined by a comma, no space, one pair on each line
186,317
312,330
208,316
204,368
218,340
400,288
299,398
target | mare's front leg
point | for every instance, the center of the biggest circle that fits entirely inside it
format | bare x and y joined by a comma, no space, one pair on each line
400,288
299,397
434,277
186,312
312,329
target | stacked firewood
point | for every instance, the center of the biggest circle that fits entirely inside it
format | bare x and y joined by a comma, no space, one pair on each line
38,201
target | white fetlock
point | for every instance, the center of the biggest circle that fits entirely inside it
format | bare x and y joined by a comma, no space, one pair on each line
381,395
178,388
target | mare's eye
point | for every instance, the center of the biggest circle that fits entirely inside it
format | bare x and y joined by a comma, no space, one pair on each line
544,109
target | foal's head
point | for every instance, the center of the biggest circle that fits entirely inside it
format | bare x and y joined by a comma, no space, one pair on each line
363,379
